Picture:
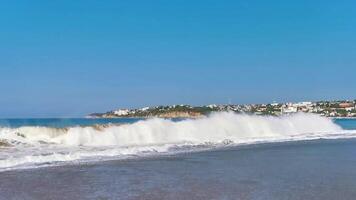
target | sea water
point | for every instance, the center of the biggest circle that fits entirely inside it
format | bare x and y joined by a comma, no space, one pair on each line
313,170
30,143
292,157
64,122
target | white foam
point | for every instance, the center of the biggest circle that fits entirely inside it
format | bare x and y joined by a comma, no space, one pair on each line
36,145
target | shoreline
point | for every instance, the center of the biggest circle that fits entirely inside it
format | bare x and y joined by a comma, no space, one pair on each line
154,157
226,174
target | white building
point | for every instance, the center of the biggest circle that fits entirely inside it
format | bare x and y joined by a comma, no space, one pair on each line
121,112
289,109
349,108
212,106
145,108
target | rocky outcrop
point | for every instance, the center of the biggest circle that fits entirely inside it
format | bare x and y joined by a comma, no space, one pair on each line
180,114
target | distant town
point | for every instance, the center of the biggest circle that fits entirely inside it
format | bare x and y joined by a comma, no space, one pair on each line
344,108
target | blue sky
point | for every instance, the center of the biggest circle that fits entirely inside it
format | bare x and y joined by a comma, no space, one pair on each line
70,58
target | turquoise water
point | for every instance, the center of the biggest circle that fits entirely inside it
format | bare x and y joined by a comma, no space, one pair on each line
348,124
63,122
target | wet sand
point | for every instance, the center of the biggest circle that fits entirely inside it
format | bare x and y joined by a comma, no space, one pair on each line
323,169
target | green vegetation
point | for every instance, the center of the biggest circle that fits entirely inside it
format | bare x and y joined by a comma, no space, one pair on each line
325,108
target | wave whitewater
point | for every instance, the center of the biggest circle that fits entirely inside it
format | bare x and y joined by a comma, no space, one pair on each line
37,146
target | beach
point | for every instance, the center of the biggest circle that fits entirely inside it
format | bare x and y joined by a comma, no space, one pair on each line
321,169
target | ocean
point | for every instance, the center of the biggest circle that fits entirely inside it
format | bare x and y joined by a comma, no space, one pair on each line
223,156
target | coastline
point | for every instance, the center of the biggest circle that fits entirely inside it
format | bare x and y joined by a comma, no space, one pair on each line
187,117
332,109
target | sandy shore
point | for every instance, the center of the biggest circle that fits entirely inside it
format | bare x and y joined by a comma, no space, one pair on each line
323,169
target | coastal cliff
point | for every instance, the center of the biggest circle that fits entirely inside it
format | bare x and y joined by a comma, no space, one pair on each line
180,114
176,111
343,108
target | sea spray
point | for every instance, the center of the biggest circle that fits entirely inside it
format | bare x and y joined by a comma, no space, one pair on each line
35,145
215,128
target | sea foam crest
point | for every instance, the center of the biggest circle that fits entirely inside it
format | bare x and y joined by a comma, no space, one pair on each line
216,128
40,146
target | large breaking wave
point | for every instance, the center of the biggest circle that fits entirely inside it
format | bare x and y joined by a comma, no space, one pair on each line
37,146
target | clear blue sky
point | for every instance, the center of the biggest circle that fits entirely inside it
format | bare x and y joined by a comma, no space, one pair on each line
69,58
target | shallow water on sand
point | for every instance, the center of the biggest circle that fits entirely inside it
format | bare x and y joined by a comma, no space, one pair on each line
323,169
